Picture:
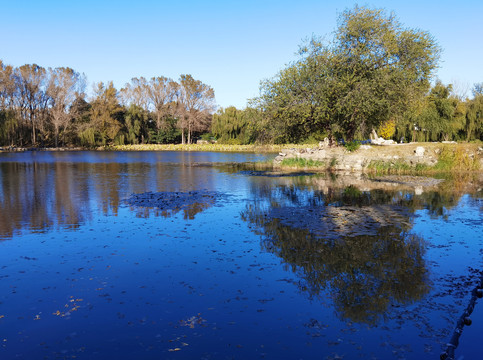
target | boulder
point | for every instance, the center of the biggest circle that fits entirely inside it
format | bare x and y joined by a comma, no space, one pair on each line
419,151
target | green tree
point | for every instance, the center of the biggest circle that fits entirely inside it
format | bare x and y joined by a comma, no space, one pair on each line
231,125
373,70
106,115
474,115
136,120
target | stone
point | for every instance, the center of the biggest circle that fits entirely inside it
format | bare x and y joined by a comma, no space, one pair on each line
324,143
419,151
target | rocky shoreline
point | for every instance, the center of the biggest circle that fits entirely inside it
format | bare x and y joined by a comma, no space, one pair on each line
338,158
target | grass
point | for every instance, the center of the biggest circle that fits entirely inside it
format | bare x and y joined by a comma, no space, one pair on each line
203,147
299,162
451,159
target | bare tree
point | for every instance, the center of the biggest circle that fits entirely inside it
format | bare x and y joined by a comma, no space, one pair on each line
162,92
197,101
31,99
136,92
64,87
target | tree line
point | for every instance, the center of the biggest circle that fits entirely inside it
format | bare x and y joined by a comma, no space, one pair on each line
374,74
49,107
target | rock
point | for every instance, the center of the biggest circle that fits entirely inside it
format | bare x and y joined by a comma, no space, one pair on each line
373,135
324,143
419,151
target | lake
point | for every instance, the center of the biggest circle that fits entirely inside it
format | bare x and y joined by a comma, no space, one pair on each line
190,255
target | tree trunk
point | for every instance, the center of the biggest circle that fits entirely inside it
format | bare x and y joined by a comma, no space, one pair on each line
33,131
189,133
56,137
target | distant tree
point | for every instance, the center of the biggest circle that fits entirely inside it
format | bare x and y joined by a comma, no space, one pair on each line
136,120
231,125
31,98
106,115
8,118
64,87
162,93
136,93
197,102
474,115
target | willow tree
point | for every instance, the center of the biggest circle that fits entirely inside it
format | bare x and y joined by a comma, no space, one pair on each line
474,115
373,70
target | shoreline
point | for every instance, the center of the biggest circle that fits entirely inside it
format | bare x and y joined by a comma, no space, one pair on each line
421,158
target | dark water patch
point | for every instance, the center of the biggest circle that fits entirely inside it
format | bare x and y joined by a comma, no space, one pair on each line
170,203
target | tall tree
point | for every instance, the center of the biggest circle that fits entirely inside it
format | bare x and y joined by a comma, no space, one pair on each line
474,115
64,87
31,99
197,101
162,93
373,70
8,118
106,114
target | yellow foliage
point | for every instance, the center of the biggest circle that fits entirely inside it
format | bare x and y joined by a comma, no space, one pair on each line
387,129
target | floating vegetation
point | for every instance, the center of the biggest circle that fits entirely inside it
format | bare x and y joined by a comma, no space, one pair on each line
170,203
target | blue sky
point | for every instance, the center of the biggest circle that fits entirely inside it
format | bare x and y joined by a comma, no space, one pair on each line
229,45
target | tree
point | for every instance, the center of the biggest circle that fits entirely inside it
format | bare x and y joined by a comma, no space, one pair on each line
373,70
474,115
136,93
31,100
162,94
231,125
106,115
8,118
64,87
197,101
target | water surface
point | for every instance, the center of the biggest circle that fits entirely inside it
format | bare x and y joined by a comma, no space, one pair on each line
172,255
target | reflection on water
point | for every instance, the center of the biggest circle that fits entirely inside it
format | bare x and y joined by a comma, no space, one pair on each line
191,255
354,244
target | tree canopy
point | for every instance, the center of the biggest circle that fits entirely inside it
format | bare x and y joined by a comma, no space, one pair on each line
372,71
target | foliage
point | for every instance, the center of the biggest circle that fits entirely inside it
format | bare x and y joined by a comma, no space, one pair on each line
372,71
456,159
352,145
231,126
302,163
474,115
387,129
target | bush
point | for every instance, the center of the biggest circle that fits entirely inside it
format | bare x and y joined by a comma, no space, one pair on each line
352,145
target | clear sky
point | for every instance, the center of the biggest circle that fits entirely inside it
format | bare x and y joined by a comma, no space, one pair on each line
229,45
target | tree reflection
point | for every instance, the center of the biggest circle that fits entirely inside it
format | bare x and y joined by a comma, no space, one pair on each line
351,244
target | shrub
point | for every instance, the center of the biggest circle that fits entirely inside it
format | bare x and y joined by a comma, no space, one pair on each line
352,145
